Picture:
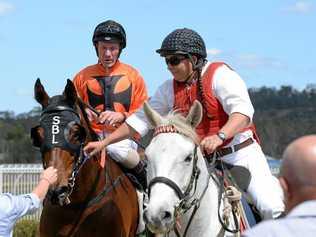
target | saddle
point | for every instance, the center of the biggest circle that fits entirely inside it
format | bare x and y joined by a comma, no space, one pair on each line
137,175
237,175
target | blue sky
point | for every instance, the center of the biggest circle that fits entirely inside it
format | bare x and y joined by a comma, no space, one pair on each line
269,43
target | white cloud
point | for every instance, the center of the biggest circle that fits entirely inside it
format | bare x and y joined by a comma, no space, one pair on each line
5,7
214,52
253,61
301,7
249,61
246,60
23,92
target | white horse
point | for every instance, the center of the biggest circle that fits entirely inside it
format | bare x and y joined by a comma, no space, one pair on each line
183,199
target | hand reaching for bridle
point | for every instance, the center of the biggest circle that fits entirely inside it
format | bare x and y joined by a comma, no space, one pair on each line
92,148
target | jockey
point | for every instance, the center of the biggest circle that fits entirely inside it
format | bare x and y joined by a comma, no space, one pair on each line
227,114
114,89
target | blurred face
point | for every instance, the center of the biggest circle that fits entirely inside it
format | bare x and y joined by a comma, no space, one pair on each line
180,66
108,53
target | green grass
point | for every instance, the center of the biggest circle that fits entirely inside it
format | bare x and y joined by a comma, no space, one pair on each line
25,228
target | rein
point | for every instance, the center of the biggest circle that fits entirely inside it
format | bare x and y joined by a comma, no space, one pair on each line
221,191
98,113
219,180
71,181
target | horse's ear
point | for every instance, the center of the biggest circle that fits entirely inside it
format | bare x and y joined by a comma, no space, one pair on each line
37,136
70,92
195,114
40,93
152,116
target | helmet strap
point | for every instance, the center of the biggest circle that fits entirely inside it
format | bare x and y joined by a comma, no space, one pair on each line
196,65
96,49
195,69
189,78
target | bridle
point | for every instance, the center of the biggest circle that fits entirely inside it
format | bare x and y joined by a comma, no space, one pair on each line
69,117
186,202
183,196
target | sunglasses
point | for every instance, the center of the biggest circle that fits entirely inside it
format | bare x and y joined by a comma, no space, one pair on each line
175,60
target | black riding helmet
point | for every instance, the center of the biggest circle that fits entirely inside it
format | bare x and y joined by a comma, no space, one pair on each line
183,41
109,31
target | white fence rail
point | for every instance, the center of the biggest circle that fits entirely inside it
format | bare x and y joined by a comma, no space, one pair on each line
20,179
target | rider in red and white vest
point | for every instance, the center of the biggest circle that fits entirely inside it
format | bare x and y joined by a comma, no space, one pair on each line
227,115
214,115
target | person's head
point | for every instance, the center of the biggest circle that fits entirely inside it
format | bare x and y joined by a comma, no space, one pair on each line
109,38
298,171
184,51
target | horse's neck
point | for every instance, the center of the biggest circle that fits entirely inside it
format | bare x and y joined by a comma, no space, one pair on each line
205,221
89,178
94,178
91,175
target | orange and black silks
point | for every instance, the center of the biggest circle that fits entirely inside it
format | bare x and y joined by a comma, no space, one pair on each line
120,89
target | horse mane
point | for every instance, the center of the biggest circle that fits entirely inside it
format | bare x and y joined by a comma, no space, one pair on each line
175,119
93,135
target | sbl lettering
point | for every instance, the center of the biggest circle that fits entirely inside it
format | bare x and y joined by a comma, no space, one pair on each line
55,128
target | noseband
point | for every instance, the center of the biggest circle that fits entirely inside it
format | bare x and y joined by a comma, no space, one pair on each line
183,196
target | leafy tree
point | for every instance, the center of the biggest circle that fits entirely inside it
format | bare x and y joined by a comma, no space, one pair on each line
281,115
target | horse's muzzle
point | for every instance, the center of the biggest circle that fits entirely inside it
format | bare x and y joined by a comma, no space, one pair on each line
59,196
159,223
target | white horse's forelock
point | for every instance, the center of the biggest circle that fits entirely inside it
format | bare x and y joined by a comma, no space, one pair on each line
179,122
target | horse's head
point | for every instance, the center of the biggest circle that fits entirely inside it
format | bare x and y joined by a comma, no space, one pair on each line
173,166
60,137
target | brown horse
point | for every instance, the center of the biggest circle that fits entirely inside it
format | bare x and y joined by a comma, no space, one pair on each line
87,200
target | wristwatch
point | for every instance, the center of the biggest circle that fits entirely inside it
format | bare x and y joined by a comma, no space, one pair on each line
222,136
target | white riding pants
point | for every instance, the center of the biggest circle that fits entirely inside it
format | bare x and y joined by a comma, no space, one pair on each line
119,150
264,188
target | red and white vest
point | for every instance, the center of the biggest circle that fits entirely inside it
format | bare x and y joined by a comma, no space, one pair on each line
214,116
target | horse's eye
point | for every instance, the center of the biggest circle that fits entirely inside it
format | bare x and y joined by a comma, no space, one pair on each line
76,134
188,158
